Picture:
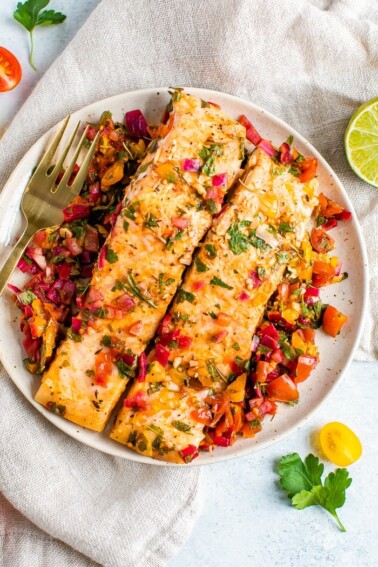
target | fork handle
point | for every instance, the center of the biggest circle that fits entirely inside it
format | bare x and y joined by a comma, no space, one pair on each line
14,256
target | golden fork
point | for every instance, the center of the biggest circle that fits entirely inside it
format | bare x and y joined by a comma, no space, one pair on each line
43,202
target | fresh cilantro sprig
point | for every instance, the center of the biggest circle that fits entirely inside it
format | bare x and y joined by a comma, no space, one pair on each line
29,14
303,483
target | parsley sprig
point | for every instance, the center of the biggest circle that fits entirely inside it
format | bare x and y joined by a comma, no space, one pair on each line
29,14
303,483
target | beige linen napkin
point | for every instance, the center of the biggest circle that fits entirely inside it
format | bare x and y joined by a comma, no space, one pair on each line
310,62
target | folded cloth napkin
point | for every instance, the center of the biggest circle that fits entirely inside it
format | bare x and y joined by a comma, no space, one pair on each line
312,63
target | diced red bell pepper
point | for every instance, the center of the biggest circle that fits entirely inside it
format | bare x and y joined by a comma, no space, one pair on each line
162,355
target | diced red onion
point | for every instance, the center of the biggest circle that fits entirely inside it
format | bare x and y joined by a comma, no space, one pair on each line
255,343
190,165
73,246
180,222
164,325
91,133
101,257
86,271
244,296
13,288
256,282
136,124
338,269
251,133
128,359
312,292
268,148
76,324
142,367
36,254
27,268
167,338
219,180
285,153
125,301
91,239
94,191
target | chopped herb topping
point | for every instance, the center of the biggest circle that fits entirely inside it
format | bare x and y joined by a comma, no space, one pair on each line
181,426
74,336
283,257
214,372
151,221
200,266
216,281
129,212
208,155
185,296
211,206
211,250
261,272
258,242
58,409
125,369
101,313
131,286
111,256
285,227
238,242
126,225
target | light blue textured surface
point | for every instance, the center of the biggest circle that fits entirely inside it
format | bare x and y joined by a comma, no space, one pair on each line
246,519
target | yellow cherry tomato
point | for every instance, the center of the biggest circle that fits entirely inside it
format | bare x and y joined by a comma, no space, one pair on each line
339,444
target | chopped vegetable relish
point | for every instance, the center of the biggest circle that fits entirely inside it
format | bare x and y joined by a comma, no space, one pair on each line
55,302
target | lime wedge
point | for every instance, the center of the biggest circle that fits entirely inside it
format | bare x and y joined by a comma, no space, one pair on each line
361,142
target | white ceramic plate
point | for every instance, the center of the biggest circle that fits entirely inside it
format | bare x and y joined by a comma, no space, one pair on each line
350,296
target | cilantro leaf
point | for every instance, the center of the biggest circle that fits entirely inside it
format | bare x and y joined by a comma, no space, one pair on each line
238,242
303,483
29,14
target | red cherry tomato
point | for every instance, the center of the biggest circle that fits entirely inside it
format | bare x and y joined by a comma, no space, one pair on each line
10,70
321,241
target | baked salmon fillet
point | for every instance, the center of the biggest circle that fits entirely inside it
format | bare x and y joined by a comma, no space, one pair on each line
167,209
203,345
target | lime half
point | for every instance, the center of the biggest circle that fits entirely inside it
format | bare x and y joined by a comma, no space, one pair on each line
361,142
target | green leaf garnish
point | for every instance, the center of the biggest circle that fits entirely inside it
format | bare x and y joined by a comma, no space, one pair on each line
303,483
220,283
29,15
200,266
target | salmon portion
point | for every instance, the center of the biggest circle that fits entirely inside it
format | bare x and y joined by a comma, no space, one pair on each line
167,209
206,338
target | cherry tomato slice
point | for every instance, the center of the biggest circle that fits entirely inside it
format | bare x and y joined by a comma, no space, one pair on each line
10,70
333,321
321,241
308,167
282,389
339,444
103,367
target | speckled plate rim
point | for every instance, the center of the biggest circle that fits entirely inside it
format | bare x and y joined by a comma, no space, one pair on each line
269,125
